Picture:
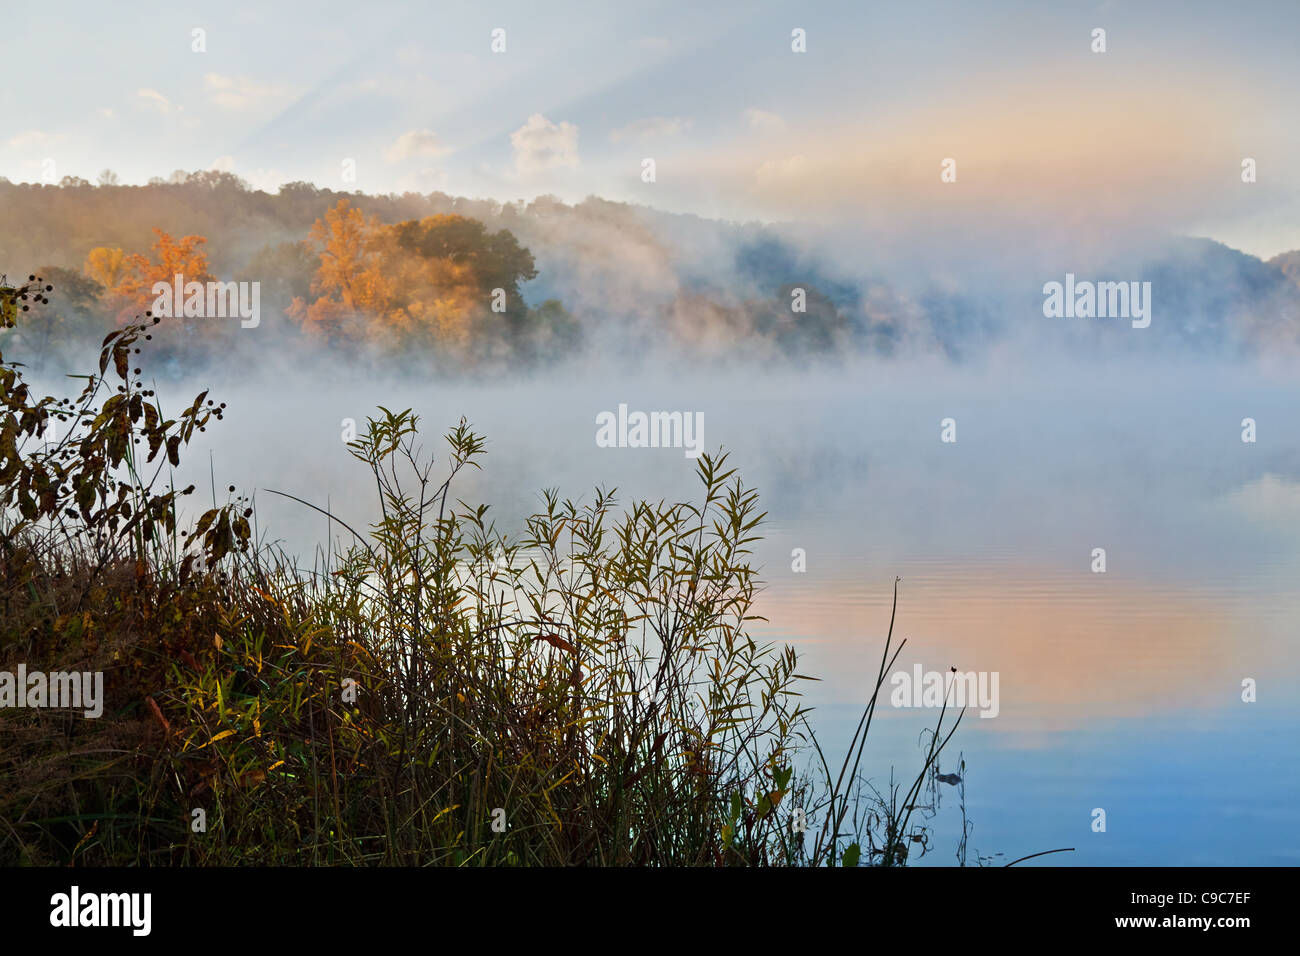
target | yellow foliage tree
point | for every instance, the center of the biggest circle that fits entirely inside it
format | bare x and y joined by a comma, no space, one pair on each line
105,266
430,280
349,284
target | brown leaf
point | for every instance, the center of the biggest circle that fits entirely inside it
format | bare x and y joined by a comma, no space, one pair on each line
556,641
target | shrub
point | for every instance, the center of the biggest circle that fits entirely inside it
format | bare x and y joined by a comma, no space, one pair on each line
435,693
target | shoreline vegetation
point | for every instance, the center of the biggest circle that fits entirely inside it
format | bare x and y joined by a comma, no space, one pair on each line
434,693
483,290
411,282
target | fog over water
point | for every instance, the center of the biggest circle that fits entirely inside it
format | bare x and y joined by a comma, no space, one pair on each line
993,303
1119,691
1124,685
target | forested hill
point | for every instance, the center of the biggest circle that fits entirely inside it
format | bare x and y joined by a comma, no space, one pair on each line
467,284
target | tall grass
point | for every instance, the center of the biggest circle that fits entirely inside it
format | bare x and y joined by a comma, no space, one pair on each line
434,693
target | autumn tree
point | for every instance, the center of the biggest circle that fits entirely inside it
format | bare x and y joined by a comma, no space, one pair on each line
443,280
105,265
494,260
183,257
348,285
347,270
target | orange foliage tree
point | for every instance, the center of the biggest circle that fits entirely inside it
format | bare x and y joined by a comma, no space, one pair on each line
348,284
172,257
442,279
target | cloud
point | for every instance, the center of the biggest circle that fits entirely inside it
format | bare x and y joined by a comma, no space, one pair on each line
237,92
650,128
152,99
540,145
417,143
764,122
1034,165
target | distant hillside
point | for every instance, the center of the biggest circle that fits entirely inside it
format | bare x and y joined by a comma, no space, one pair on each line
615,280
1289,263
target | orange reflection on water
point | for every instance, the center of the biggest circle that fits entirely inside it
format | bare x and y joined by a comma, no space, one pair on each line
1070,648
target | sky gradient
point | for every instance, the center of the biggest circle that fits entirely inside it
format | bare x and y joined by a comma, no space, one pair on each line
1149,135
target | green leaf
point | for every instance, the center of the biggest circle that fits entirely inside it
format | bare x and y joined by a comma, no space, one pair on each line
851,854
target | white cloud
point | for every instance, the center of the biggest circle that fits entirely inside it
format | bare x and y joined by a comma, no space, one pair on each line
237,92
540,145
155,100
107,112
764,122
422,143
650,128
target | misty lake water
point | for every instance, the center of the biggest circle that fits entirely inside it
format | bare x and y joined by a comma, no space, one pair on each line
1119,690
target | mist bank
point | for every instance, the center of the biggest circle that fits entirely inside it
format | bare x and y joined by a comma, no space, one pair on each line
1119,450
602,285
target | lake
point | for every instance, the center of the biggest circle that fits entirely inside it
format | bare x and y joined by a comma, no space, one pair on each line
1120,691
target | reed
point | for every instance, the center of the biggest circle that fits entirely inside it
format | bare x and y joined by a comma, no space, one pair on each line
435,692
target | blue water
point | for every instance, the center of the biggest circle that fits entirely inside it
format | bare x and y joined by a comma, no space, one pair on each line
1119,691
